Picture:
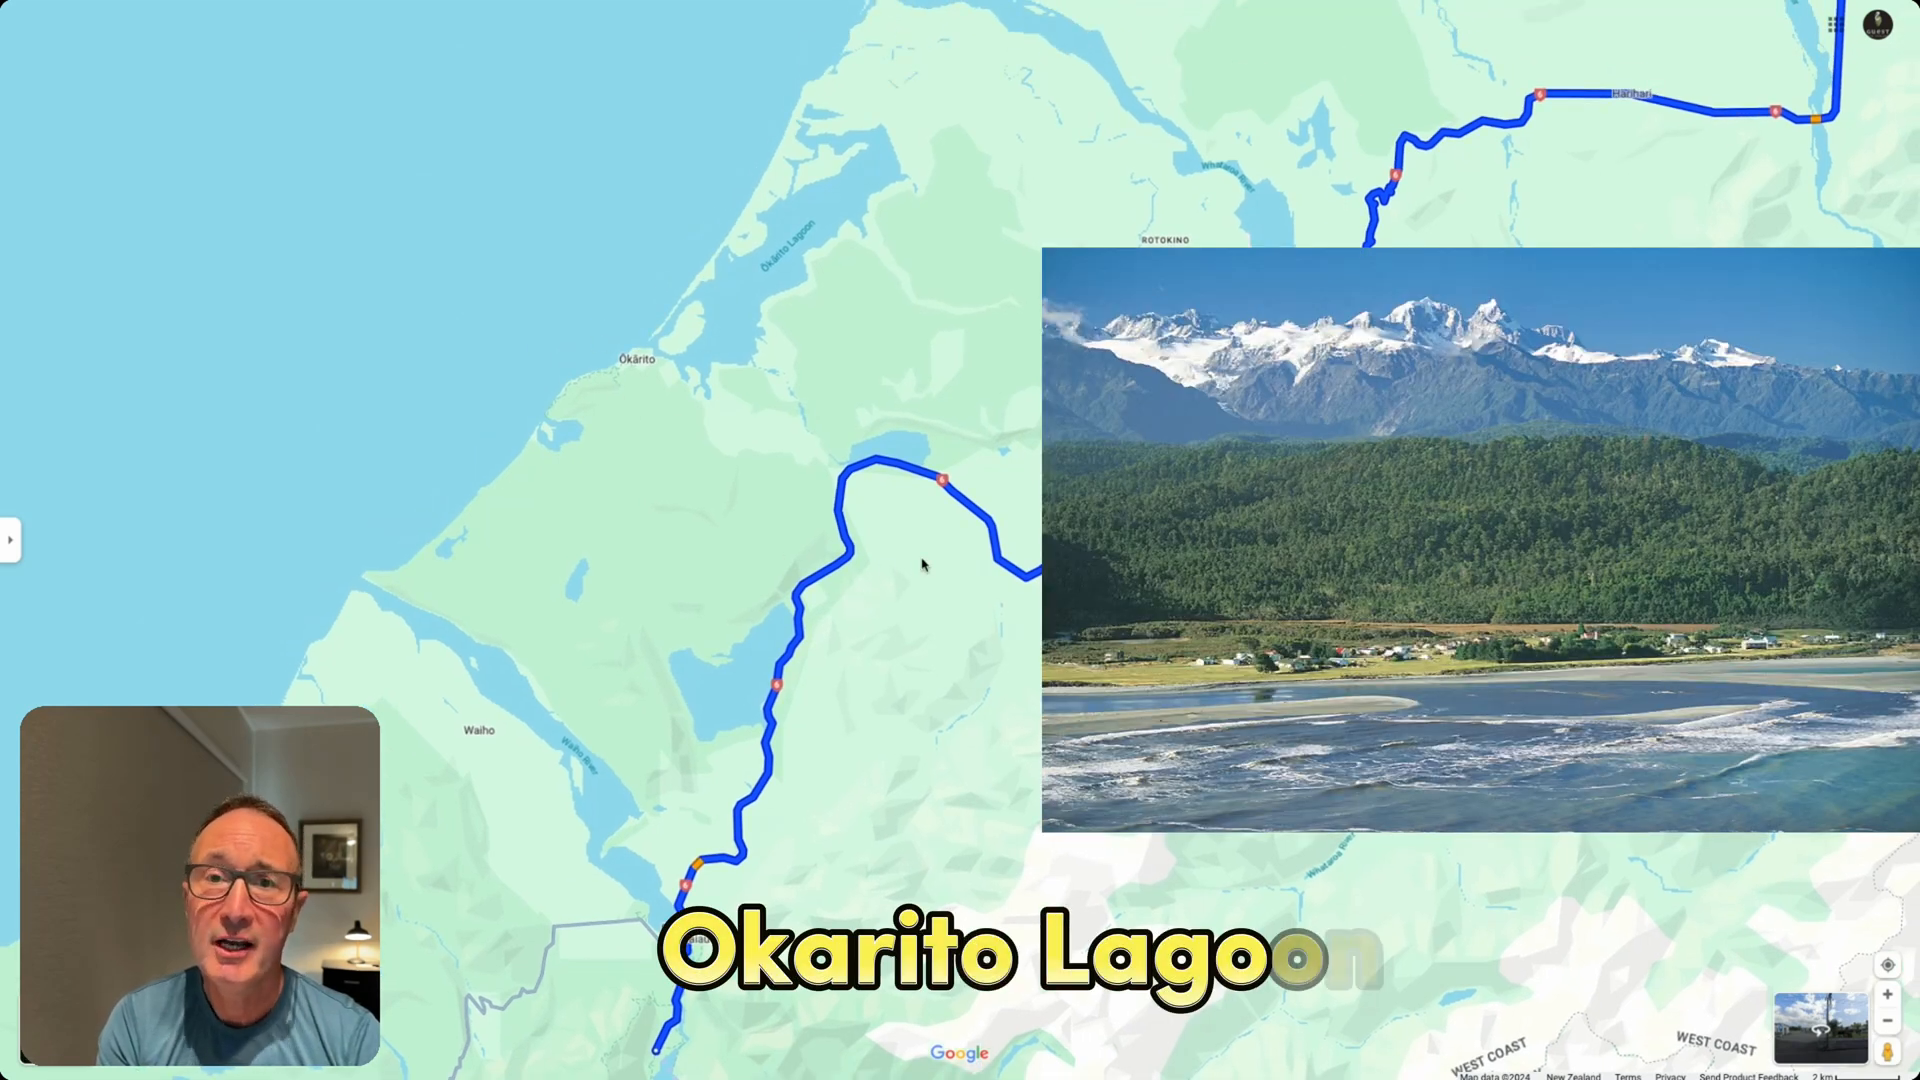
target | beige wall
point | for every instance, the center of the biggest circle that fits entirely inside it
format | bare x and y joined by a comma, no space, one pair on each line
110,801
322,773
226,728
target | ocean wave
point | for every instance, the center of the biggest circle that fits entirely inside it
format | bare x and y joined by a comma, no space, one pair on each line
1107,767
1766,710
1895,737
1486,721
1288,753
1217,725
1586,761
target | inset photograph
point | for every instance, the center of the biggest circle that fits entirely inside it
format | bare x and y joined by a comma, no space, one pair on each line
1820,1029
199,886
1481,540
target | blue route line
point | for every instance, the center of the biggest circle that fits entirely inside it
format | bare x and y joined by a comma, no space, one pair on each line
1381,196
739,855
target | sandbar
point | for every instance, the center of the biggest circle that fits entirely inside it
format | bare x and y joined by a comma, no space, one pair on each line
1143,719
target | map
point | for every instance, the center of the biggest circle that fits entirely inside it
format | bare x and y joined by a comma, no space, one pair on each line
462,369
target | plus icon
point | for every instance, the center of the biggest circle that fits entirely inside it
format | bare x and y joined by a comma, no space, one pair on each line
1887,993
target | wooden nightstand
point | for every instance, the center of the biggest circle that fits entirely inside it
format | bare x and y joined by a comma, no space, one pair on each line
359,982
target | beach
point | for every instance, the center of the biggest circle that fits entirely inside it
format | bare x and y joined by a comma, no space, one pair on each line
1761,745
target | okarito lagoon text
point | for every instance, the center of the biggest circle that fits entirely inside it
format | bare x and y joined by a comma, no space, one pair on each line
701,948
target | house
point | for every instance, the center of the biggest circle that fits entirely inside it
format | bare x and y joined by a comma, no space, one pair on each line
1677,641
1761,641
1833,637
1203,661
1243,658
1716,648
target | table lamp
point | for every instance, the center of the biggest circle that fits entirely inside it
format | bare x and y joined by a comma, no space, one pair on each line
357,935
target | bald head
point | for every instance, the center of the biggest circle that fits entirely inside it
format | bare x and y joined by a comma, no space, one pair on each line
257,807
246,839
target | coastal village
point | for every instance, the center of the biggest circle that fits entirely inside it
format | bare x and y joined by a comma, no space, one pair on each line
1206,653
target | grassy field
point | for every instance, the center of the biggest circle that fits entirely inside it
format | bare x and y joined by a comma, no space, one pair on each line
1188,674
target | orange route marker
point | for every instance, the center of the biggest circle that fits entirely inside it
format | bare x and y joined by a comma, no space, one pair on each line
1816,118
1539,93
698,863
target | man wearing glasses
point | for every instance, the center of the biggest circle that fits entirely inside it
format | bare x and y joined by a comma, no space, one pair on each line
237,1005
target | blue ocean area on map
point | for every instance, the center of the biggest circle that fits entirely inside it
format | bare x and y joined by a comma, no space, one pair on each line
728,694
805,220
554,434
577,580
450,345
905,445
600,798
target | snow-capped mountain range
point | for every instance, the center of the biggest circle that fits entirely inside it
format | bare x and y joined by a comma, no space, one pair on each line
1199,351
1426,368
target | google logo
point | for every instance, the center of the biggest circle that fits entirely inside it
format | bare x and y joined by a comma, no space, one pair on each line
948,1053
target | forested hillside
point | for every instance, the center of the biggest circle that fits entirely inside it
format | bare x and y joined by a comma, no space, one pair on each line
1623,529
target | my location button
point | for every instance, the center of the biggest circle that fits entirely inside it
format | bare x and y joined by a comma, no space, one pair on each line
9,540
1887,965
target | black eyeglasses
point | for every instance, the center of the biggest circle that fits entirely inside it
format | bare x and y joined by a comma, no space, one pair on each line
269,887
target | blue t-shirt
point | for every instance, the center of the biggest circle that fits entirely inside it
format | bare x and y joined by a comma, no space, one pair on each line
169,1022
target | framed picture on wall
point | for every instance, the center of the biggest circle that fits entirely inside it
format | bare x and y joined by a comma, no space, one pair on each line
330,856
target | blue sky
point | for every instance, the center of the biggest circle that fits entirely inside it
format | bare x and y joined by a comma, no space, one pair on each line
1817,307
1805,1010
